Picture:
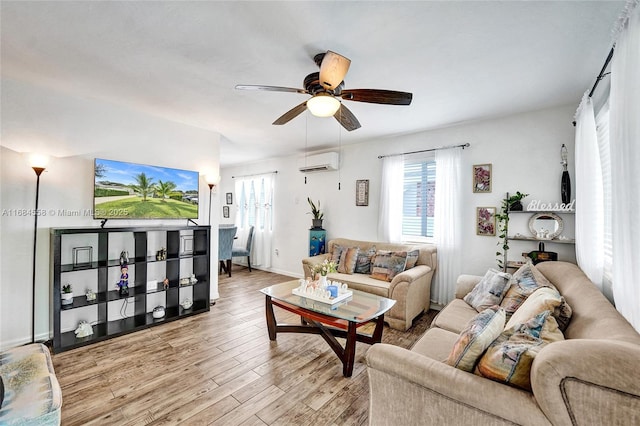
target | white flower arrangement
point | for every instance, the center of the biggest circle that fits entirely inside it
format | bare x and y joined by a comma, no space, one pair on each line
325,267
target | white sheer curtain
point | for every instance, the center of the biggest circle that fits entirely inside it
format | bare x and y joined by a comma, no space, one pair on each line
447,223
255,208
589,195
391,190
624,103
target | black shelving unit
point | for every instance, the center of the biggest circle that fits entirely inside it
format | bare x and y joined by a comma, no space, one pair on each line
101,311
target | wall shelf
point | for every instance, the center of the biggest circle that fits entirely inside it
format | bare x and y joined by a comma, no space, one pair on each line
103,312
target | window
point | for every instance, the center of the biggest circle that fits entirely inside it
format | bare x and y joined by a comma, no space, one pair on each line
418,198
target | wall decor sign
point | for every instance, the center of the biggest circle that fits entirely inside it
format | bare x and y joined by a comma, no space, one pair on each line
229,198
362,192
225,212
482,178
486,221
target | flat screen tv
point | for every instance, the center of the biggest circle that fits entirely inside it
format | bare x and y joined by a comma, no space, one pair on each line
137,191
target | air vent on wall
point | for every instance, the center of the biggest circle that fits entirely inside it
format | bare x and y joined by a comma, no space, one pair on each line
319,163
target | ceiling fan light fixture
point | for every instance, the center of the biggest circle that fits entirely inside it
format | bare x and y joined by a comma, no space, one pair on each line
323,105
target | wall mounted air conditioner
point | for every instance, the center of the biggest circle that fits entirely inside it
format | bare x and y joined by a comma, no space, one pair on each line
319,162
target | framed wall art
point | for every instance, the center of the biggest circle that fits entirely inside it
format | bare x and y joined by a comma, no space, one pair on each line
482,178
229,197
225,212
486,221
362,192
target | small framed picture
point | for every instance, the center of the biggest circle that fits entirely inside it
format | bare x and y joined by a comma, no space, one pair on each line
225,212
486,221
362,192
186,245
482,178
229,198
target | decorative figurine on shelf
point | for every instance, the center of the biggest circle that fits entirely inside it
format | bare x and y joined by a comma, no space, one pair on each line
161,254
124,258
193,279
84,329
165,283
123,284
565,184
91,296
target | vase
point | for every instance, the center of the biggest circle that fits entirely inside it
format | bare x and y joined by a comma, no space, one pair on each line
323,281
317,223
516,206
565,188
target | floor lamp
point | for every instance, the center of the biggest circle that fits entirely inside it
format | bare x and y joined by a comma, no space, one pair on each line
212,181
38,164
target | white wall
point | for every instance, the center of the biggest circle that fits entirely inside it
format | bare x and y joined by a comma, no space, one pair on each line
75,131
524,150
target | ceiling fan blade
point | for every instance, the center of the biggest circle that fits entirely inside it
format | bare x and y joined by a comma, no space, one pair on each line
346,118
333,69
269,88
291,114
376,96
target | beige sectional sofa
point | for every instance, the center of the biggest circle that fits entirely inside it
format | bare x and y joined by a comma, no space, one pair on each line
590,378
411,289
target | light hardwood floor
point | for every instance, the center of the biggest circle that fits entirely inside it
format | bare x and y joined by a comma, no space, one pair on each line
219,368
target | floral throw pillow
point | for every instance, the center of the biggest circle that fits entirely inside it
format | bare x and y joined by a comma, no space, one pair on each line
336,252
412,259
476,337
489,291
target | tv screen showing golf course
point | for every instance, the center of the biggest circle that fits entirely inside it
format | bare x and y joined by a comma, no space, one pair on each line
137,191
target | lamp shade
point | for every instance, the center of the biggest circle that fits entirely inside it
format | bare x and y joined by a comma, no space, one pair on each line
38,160
323,105
212,179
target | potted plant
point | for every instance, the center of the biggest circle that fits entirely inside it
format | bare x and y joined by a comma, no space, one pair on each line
502,220
316,213
67,294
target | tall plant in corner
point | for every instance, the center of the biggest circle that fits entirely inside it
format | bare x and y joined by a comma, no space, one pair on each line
502,220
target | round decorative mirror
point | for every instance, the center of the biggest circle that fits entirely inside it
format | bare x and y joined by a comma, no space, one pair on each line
545,226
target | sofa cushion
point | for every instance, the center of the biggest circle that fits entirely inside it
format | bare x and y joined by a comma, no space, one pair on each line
363,262
348,259
489,291
479,333
525,281
387,264
362,282
436,344
455,316
508,359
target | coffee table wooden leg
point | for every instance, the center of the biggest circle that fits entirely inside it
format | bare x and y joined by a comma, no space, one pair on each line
349,351
271,319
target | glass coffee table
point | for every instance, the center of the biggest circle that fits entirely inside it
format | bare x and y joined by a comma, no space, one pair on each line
341,319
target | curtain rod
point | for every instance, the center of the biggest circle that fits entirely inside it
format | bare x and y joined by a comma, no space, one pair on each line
463,146
601,75
255,174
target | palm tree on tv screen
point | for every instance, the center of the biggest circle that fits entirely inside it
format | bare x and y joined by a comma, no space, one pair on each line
145,185
164,189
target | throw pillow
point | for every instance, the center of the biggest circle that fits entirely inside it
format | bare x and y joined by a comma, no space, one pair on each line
348,260
508,359
562,314
525,281
489,291
542,299
1,392
387,264
363,263
412,259
477,335
336,252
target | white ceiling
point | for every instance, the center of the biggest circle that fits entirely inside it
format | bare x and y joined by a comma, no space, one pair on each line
181,60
